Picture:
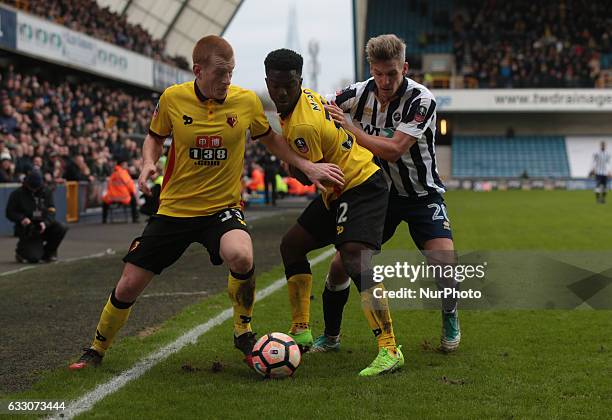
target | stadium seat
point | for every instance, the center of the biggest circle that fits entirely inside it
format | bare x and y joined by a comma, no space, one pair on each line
498,156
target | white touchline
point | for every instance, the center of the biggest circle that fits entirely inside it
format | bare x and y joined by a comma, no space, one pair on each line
87,401
63,261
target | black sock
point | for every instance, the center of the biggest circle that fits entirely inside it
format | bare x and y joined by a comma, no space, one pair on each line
333,306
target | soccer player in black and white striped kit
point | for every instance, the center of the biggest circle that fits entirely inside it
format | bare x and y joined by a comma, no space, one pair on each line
395,118
601,163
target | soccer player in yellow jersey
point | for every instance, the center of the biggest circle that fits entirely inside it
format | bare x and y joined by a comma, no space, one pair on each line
200,198
350,217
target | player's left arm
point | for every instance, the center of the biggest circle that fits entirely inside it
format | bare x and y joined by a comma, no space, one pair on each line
318,173
389,149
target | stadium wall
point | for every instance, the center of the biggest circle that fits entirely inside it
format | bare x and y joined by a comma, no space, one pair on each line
522,123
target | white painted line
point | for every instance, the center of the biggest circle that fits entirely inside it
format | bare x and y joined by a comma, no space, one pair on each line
18,270
67,260
170,294
86,402
109,251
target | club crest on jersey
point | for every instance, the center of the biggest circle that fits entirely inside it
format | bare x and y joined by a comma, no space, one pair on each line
231,119
301,145
420,114
397,116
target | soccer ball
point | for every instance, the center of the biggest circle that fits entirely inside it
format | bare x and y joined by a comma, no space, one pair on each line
276,355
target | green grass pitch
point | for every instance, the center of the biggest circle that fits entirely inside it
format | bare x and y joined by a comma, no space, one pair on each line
511,363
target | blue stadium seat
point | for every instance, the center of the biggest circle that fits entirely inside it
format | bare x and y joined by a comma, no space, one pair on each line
498,156
409,19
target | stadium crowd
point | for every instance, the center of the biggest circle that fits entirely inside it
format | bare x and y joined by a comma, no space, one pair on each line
525,44
71,131
74,131
88,17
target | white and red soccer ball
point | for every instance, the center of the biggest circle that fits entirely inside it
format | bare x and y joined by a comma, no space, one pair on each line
276,355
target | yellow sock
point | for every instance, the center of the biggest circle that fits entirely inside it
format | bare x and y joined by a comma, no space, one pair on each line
114,315
241,290
300,287
378,315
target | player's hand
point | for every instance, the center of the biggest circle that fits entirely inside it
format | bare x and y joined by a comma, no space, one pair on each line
337,114
25,221
42,227
149,170
324,175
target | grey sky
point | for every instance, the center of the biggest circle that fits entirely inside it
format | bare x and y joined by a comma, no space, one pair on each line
260,26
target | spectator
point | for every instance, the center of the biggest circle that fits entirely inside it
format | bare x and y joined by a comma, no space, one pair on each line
121,189
8,122
78,170
6,168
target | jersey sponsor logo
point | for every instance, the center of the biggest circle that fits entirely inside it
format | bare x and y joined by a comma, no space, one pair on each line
420,114
301,145
231,119
208,151
369,129
187,120
208,157
208,142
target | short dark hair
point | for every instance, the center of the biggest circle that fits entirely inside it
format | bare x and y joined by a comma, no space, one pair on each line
285,60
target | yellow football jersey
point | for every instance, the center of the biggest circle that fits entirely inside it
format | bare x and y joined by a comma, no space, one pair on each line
312,133
206,157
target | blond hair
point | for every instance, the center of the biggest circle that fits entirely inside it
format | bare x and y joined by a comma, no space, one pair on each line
385,47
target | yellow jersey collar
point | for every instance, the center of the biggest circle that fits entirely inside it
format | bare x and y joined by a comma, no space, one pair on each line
202,97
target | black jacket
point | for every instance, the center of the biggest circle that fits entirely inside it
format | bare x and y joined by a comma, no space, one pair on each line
37,206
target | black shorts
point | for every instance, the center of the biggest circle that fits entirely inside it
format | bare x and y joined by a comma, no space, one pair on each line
165,238
427,218
358,215
601,181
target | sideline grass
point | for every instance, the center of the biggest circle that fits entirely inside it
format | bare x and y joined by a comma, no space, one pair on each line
525,364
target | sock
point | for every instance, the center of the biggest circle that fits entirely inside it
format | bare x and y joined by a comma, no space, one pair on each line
114,315
334,300
241,291
378,315
300,286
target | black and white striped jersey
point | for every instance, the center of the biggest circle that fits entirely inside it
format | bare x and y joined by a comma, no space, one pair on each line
413,111
601,163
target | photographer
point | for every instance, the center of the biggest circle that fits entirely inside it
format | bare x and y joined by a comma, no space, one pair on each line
32,210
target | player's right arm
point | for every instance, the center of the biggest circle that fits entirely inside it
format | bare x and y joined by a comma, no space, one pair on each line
389,149
152,150
153,146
